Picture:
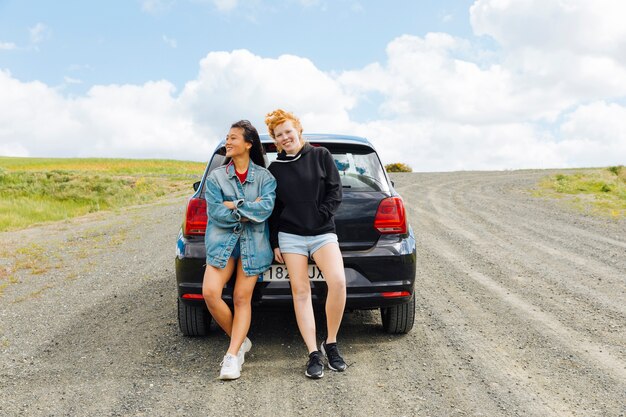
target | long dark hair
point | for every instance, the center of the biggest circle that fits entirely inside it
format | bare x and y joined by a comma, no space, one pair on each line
250,135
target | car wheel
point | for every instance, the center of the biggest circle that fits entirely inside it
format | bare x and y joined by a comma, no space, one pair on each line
193,320
399,319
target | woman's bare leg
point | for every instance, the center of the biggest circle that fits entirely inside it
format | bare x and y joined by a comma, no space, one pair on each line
242,299
328,259
298,268
212,286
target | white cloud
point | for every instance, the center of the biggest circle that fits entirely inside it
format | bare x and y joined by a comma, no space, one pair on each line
151,120
240,84
7,46
170,42
138,120
445,102
595,135
515,109
225,5
29,112
577,26
112,121
13,149
38,33
156,6
428,78
430,145
575,48
70,80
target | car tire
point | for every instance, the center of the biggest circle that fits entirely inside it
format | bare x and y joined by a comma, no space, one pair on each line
399,319
193,320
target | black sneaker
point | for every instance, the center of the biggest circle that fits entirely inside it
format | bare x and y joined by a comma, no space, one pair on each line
335,361
315,366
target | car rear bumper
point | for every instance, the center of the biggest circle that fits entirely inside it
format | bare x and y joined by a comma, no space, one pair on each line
381,276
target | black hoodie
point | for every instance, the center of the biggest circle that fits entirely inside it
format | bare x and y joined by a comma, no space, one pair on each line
308,193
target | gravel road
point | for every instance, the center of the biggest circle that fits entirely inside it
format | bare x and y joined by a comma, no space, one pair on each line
521,311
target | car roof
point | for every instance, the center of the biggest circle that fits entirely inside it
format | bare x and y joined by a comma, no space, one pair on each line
322,138
326,137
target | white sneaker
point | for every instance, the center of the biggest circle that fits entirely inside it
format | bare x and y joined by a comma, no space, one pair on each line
230,367
245,348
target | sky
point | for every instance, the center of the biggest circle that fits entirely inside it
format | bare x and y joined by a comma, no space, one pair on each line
439,85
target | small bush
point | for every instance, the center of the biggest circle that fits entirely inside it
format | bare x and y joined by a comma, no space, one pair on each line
616,169
398,167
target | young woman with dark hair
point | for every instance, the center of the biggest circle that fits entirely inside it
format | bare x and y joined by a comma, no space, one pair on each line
240,197
302,226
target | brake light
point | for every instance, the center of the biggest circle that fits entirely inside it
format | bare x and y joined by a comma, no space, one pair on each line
196,217
391,217
193,296
395,294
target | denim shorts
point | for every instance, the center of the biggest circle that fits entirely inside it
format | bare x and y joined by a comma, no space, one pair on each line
304,245
236,253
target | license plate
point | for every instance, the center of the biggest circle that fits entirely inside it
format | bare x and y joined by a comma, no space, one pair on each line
278,273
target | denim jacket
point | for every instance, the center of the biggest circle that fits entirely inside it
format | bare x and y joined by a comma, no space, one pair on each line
224,226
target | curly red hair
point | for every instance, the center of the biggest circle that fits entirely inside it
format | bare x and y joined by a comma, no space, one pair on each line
280,116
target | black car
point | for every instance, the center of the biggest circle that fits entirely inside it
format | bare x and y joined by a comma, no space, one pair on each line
375,239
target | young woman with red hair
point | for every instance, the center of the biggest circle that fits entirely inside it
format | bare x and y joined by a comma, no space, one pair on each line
302,225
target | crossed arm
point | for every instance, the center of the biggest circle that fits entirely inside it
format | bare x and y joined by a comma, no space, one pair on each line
231,213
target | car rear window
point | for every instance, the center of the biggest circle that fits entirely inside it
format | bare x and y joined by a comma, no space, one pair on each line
359,166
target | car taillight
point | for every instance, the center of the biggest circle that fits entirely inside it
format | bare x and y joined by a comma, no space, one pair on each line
193,296
395,294
195,218
391,217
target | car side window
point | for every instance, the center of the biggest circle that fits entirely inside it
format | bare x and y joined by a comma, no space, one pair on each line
217,160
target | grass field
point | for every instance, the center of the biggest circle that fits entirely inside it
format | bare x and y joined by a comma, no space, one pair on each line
599,191
39,190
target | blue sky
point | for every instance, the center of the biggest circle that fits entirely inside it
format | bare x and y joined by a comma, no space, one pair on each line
441,85
119,42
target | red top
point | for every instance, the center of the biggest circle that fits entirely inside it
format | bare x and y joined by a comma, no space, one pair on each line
242,176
